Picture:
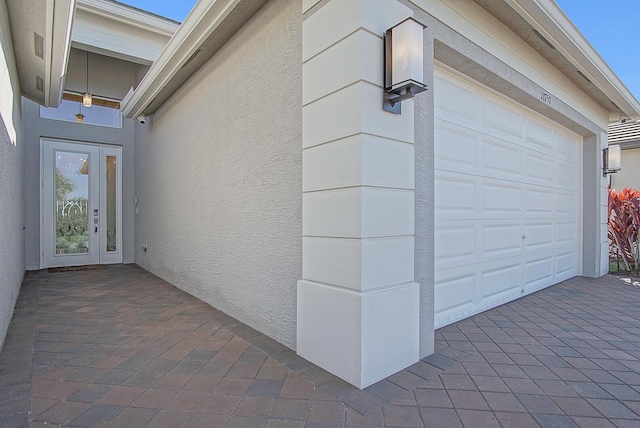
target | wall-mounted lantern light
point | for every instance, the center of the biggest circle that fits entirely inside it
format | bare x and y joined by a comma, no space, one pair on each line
611,160
403,68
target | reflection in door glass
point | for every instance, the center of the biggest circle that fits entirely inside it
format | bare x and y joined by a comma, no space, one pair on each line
111,203
72,200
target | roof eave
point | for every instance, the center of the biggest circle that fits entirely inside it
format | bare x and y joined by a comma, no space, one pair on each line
205,21
59,21
548,19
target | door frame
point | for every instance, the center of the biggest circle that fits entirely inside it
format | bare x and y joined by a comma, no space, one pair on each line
104,150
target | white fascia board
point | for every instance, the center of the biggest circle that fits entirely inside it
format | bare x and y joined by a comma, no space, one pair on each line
59,21
550,21
203,20
98,34
129,16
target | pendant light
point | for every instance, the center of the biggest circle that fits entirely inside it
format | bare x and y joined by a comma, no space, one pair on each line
86,97
79,116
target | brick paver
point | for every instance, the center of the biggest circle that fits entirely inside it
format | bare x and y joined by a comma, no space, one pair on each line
120,347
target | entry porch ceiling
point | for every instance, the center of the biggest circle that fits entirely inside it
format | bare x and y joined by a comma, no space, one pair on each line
41,33
543,25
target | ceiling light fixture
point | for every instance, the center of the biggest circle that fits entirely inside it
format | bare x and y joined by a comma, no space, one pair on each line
86,97
79,116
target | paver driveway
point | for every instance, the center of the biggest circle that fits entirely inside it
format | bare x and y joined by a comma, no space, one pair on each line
120,347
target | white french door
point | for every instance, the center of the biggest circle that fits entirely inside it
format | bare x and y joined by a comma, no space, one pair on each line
81,204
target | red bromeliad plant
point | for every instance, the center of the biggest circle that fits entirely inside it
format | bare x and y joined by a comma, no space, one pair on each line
624,225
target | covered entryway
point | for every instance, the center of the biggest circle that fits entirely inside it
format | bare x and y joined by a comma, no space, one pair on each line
507,199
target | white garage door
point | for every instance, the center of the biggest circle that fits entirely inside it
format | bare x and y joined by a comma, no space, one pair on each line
507,199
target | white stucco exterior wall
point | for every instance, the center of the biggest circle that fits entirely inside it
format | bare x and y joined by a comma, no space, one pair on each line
11,178
218,177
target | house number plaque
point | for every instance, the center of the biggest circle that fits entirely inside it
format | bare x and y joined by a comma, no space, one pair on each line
545,97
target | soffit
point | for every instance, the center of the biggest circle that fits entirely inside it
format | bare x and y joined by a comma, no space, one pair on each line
41,33
560,43
121,31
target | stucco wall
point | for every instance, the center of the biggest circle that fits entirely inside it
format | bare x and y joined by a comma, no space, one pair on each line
629,176
75,132
11,178
218,177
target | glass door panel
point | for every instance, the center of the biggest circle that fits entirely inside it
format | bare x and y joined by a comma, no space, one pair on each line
72,202
111,204
111,195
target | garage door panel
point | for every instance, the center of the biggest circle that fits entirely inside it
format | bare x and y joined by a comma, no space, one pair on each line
499,120
455,196
539,201
455,103
567,175
540,137
568,147
539,236
566,262
463,158
540,169
567,204
501,284
500,240
539,271
454,298
454,244
507,211
500,199
566,233
501,159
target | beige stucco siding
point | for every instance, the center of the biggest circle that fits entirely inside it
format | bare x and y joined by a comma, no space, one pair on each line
629,176
218,177
11,178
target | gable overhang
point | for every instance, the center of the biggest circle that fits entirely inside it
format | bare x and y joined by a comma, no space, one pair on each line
573,55
121,31
210,24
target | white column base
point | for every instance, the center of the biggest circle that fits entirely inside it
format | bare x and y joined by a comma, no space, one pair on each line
361,337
